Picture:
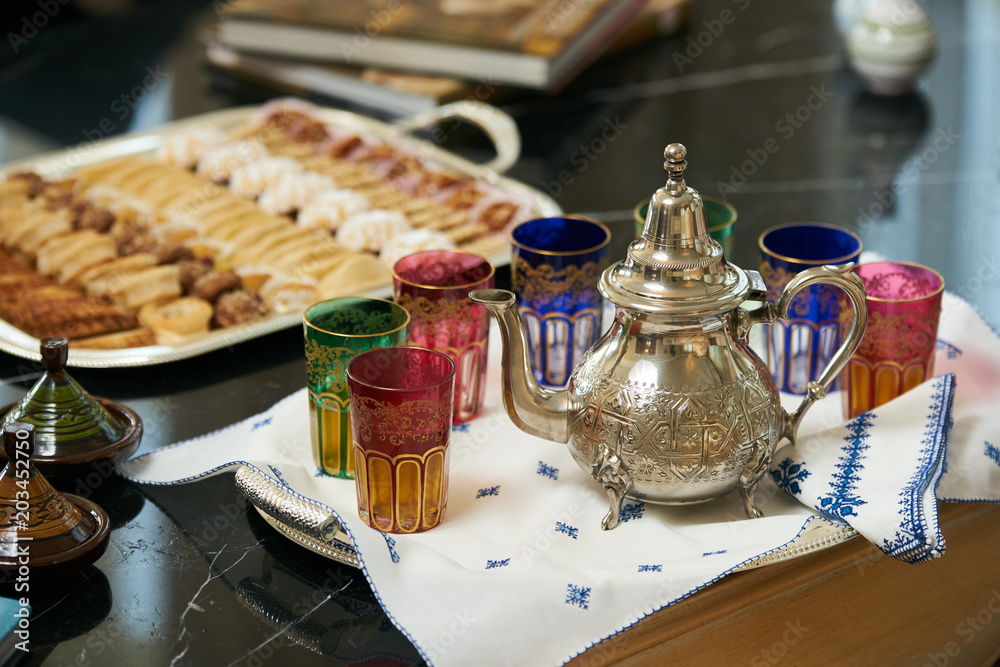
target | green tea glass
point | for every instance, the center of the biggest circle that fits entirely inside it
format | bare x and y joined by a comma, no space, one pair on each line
336,331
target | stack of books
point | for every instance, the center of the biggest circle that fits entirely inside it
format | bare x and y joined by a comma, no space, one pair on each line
406,56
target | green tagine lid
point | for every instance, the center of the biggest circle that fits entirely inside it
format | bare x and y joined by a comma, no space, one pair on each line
67,420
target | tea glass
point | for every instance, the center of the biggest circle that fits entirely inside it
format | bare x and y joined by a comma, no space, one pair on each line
556,265
800,348
434,288
401,408
898,348
336,331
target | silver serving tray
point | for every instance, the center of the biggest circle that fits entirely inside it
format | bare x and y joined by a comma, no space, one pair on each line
498,126
309,524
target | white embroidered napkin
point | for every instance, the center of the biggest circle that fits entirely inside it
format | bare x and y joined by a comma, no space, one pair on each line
878,472
970,349
519,571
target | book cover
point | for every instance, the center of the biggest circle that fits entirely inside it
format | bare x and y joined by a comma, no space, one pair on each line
521,42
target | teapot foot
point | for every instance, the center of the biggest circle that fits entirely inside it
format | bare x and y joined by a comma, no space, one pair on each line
611,519
749,504
611,474
752,473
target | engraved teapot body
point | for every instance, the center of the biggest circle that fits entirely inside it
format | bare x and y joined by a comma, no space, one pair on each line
671,405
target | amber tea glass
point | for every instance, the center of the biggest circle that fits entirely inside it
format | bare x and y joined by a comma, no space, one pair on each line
897,351
434,288
336,331
401,407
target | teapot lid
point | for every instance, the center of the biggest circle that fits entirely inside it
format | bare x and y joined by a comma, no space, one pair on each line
675,266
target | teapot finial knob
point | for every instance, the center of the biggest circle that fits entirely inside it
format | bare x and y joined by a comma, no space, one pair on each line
675,163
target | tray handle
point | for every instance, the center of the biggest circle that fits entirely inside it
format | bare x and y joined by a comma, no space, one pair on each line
300,514
498,126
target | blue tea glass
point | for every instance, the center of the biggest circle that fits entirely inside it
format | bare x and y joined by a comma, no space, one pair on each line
798,349
556,265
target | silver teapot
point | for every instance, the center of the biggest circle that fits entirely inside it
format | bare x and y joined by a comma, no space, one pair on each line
671,405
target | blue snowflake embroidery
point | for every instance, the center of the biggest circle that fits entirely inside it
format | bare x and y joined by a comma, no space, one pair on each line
545,470
951,351
488,491
651,568
631,511
789,474
567,529
460,428
910,541
843,499
578,595
391,543
993,453
261,423
281,478
713,553
490,564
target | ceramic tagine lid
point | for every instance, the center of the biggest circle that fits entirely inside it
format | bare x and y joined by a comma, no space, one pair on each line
675,267
52,534
72,428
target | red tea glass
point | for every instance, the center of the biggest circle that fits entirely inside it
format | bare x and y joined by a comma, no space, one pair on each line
897,351
401,405
434,286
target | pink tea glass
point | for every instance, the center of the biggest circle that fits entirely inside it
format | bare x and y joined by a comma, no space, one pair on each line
897,351
433,286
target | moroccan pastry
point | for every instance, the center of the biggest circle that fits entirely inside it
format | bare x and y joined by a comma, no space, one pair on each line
186,148
190,270
171,320
117,341
94,218
219,163
29,233
113,270
239,307
371,229
294,190
254,177
135,290
286,294
68,256
355,274
328,210
416,240
215,283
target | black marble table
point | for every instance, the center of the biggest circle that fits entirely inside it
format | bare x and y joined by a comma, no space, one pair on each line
191,576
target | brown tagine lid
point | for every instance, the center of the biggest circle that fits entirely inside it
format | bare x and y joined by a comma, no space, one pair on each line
50,533
72,428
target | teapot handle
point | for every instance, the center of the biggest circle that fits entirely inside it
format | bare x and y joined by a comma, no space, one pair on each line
841,276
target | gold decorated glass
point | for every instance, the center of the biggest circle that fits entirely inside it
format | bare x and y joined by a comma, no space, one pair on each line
336,331
554,272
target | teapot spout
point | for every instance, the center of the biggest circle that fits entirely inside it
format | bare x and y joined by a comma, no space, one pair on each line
533,409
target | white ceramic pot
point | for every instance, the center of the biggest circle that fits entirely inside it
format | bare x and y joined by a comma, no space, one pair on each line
891,46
